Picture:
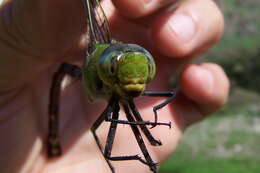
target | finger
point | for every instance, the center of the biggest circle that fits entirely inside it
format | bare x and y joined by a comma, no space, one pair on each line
194,27
139,8
205,88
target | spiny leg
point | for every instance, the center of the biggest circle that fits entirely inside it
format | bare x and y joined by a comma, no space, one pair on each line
111,137
53,141
170,94
110,119
95,126
142,123
145,130
140,141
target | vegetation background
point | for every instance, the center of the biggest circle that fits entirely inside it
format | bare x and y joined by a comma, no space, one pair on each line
229,141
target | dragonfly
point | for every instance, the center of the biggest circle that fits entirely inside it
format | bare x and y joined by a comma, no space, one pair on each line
116,72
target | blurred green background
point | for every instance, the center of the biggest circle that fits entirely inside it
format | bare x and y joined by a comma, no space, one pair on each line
229,141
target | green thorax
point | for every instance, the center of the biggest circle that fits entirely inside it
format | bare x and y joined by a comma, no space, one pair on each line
93,86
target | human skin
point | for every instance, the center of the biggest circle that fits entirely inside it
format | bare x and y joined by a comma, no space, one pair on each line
37,35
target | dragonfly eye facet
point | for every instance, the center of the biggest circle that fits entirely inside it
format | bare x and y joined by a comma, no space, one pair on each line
107,66
152,68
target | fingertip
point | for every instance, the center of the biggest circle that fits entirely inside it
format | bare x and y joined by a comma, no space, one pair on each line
191,29
173,34
221,85
197,82
205,84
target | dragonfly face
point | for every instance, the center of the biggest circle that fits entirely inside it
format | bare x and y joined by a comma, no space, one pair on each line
126,69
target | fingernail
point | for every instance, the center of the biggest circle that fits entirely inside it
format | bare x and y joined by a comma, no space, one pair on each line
183,26
206,77
154,3
146,2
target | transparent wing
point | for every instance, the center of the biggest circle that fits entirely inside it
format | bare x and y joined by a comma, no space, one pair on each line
98,28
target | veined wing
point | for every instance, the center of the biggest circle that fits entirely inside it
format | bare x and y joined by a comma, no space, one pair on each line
98,28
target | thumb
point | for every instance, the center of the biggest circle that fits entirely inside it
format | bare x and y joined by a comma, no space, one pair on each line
33,34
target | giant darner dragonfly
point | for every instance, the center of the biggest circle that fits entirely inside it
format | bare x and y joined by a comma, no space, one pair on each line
116,72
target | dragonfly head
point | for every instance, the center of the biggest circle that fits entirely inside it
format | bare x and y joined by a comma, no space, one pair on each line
126,68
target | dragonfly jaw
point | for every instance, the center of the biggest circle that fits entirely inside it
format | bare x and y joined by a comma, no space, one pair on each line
133,90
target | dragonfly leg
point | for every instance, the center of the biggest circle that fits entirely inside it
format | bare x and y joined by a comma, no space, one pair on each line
53,141
145,130
95,126
72,70
170,94
140,141
110,141
110,119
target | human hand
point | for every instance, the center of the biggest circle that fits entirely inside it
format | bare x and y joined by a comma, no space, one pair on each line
38,35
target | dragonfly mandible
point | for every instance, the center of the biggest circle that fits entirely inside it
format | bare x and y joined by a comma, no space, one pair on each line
118,73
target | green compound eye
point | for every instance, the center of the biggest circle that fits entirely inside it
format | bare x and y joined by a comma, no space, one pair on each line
110,64
107,66
151,66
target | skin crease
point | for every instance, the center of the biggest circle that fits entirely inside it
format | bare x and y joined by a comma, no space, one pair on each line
37,35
